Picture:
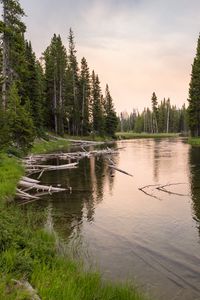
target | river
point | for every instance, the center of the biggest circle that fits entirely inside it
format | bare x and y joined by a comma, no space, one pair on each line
151,237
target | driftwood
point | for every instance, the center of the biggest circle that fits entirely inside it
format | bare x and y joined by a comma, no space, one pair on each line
24,195
40,187
161,188
119,170
143,189
113,166
32,165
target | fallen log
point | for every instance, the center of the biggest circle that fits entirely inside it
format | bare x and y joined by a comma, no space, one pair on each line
40,187
30,179
23,195
119,170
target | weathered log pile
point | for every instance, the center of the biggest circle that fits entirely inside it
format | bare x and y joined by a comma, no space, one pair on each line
35,164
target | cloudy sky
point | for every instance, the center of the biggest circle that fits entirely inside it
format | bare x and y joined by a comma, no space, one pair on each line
136,46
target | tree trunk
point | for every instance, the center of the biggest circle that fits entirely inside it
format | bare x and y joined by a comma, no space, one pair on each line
55,106
5,62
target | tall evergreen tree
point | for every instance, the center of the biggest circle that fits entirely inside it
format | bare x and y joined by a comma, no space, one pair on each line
21,128
12,31
154,102
97,107
73,86
55,75
85,91
194,95
110,114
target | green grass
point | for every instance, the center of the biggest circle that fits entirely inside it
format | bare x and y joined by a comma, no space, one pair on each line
194,141
10,173
133,135
28,252
41,146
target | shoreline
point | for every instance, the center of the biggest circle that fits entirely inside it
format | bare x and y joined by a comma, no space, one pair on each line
132,135
29,254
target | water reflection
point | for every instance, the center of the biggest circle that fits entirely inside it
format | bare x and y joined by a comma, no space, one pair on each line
129,234
68,210
194,157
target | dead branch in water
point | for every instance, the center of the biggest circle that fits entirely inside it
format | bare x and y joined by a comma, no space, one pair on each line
163,189
143,189
119,170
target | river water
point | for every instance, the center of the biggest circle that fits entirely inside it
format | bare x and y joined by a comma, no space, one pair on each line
151,237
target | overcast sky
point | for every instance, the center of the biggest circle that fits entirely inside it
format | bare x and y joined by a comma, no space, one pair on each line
136,46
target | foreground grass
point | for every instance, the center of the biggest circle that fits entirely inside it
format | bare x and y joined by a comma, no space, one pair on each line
29,253
133,135
194,141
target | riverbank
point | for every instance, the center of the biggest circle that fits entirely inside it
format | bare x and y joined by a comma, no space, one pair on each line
30,253
194,141
133,135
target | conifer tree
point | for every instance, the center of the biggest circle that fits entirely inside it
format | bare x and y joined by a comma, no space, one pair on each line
110,114
73,95
97,107
194,95
154,101
85,91
34,87
55,75
21,128
12,31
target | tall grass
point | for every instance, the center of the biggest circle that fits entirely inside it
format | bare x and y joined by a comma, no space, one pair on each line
10,173
194,141
42,146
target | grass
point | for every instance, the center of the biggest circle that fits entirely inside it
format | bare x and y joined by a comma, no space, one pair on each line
194,141
42,146
10,173
133,135
28,252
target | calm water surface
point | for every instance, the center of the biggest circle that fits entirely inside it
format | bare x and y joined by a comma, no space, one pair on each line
152,238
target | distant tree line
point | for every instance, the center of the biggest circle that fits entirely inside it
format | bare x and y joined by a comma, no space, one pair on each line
163,117
53,93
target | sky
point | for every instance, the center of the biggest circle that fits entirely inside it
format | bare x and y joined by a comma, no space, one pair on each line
136,46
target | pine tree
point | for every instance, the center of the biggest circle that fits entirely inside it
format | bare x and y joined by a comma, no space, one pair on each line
73,86
85,91
110,114
97,107
154,102
55,76
12,30
194,95
34,87
21,128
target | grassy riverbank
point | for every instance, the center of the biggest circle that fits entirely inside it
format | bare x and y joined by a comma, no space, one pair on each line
194,141
42,146
133,135
29,253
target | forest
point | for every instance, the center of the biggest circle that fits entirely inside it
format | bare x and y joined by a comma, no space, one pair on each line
53,94
57,94
163,117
